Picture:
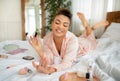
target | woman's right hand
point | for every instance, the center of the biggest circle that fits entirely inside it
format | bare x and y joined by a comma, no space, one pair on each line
35,43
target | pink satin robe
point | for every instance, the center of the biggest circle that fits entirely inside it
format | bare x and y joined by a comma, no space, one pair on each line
72,47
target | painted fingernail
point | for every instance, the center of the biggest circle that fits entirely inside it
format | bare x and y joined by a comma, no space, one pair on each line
66,76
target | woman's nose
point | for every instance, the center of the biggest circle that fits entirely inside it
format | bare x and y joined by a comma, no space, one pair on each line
60,25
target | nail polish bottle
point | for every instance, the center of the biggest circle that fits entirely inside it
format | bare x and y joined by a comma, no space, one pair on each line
87,76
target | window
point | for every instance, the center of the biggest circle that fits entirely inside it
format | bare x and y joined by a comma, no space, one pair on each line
30,24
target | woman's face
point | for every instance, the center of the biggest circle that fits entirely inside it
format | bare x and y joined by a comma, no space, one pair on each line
60,25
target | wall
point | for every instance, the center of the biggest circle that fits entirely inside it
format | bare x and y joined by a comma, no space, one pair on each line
10,20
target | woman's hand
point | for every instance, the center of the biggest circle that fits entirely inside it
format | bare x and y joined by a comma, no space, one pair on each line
35,42
44,68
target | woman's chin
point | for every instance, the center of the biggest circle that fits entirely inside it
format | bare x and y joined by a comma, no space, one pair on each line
59,35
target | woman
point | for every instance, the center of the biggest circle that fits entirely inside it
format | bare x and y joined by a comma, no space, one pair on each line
61,47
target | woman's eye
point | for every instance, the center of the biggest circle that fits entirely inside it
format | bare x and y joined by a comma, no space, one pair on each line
57,22
66,25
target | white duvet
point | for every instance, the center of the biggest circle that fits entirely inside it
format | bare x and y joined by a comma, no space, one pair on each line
105,59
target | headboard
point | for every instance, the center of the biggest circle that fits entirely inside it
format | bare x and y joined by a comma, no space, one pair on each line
113,17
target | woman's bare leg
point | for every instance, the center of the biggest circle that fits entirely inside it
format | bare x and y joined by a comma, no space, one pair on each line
89,30
85,24
100,24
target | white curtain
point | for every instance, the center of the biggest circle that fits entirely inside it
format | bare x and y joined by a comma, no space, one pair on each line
94,11
98,13
116,5
83,6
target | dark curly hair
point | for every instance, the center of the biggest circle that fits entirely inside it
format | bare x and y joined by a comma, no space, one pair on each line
65,12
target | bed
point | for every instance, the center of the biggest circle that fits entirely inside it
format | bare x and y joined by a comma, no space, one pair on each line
105,58
113,17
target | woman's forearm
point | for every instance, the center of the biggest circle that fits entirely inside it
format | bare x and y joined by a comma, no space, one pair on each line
40,52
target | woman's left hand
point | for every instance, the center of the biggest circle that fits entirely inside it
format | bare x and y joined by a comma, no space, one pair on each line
44,69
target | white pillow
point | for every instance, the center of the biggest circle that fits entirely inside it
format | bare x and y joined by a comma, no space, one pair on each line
112,32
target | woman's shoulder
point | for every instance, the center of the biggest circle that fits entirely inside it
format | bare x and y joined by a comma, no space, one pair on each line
70,35
48,37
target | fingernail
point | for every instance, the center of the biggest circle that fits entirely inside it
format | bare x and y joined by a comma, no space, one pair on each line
66,76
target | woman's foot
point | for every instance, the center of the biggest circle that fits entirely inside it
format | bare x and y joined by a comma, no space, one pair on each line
100,24
82,17
85,24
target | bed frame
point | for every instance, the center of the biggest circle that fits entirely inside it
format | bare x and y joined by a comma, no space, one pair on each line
113,17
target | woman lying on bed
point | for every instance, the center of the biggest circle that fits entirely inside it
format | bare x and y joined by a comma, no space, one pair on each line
61,47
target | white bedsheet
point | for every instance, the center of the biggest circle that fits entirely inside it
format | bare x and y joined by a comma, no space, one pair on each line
106,54
109,58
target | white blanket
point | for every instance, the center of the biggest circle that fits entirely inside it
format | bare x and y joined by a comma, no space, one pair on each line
109,58
105,61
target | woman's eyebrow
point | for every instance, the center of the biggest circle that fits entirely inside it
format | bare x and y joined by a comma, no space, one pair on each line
57,20
63,22
66,23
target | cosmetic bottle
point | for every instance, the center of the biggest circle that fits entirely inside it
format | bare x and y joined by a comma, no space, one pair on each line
89,75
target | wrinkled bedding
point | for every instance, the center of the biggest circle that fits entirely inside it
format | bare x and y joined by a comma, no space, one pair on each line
105,62
105,59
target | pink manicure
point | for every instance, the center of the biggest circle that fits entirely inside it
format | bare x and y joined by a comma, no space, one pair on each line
66,76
